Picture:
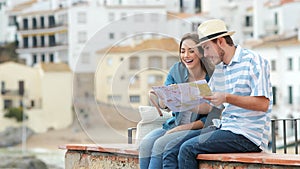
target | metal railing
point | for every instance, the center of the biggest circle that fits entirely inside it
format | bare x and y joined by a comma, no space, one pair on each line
285,140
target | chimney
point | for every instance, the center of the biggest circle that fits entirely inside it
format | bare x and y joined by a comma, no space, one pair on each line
258,22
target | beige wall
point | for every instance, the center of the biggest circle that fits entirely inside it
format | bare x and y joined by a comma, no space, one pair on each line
51,92
120,76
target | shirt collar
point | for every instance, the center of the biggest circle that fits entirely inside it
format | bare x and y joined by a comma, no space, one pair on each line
236,57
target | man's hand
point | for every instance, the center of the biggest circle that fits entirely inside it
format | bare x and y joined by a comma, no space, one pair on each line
217,98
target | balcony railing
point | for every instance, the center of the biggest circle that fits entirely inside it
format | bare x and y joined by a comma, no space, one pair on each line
286,141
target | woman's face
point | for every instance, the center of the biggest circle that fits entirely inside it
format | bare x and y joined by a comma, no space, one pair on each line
189,55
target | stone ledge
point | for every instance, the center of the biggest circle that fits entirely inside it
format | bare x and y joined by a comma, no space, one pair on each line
130,149
116,155
257,158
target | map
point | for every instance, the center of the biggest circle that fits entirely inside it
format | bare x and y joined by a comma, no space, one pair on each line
183,96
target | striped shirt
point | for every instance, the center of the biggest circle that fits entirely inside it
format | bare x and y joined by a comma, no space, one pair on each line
248,74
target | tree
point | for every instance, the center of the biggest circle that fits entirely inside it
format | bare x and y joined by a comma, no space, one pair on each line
15,112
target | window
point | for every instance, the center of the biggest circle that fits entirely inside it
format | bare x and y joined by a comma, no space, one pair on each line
290,64
248,21
134,63
42,22
290,95
25,42
111,36
134,99
51,21
34,59
34,41
12,20
81,17
51,58
276,19
32,103
34,23
7,104
42,41
25,24
82,37
51,40
2,87
171,60
155,61
274,89
273,65
43,58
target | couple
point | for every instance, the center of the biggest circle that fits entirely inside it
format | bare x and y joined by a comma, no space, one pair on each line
241,88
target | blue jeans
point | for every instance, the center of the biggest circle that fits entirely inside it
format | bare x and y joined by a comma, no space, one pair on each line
145,147
218,141
161,145
171,150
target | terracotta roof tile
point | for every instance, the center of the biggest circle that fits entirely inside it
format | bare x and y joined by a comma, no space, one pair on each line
168,44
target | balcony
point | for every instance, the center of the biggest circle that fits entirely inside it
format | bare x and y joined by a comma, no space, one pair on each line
60,27
53,48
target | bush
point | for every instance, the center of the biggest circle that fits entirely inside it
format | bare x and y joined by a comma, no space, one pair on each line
15,112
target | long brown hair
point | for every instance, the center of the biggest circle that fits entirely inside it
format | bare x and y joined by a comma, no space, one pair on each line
194,37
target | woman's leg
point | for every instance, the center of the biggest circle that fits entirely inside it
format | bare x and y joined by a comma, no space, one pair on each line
159,147
146,145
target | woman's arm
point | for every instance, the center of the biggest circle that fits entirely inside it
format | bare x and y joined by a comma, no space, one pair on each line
190,126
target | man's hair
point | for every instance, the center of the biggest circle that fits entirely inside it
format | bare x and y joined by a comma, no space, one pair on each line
228,40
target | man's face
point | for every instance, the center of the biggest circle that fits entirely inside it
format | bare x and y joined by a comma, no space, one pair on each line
213,52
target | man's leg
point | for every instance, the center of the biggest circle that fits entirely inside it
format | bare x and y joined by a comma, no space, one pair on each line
172,148
219,141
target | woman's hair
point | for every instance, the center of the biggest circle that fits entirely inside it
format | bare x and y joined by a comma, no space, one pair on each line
194,37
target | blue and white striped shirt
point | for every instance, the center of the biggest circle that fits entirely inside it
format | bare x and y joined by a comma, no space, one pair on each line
248,74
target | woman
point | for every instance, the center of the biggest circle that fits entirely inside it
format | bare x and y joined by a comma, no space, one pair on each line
189,69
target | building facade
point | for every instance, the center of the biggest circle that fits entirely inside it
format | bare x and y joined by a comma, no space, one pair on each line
43,91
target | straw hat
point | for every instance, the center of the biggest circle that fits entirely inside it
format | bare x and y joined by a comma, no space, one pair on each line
212,29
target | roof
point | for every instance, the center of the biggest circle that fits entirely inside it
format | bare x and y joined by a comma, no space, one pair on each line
173,15
168,44
24,5
274,41
279,3
55,67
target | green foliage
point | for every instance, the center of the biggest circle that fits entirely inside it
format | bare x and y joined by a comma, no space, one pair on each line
15,112
8,52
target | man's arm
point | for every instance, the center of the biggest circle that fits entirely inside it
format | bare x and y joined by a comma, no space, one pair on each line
256,103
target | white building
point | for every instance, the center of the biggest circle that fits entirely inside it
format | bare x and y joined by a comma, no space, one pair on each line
44,91
8,22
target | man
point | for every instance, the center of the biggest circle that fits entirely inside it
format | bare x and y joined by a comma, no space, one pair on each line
241,82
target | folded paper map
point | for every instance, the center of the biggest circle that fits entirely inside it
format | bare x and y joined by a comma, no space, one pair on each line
183,96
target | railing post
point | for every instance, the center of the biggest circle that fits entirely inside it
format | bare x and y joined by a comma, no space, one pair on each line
273,122
296,136
284,136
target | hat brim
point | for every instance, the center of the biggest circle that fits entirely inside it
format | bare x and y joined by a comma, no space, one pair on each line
209,39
